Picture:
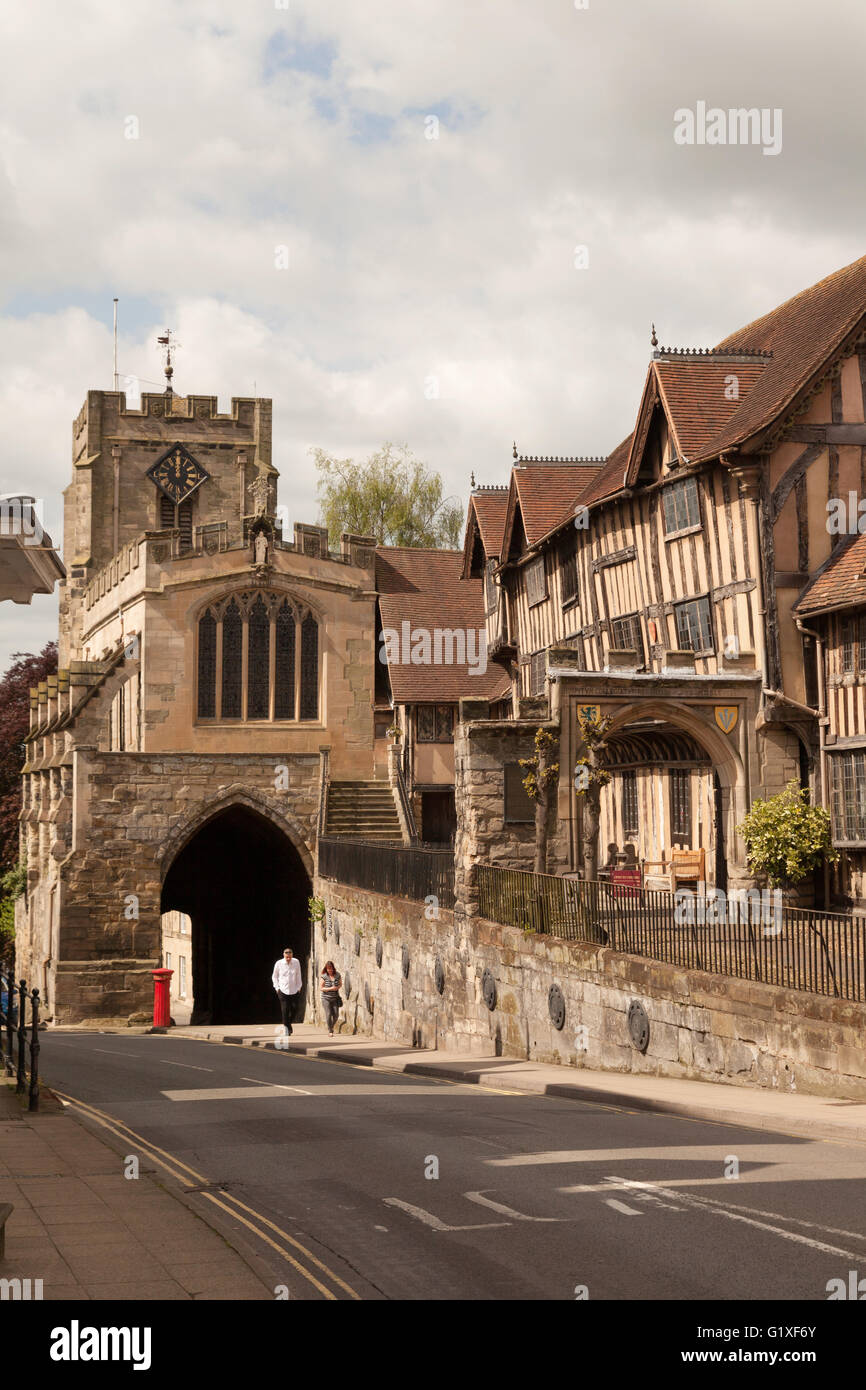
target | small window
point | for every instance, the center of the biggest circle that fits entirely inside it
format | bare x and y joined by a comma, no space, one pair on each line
849,796
182,963
681,804
628,798
168,960
625,635
853,647
681,506
537,672
519,806
536,583
434,723
568,576
694,626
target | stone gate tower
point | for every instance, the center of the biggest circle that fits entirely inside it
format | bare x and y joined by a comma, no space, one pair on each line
211,670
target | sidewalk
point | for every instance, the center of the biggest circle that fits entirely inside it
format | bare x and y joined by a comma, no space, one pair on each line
819,1117
90,1233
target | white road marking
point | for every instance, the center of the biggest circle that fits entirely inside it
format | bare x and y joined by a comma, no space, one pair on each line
714,1208
300,1090
504,1210
114,1051
262,1088
188,1065
433,1221
621,1206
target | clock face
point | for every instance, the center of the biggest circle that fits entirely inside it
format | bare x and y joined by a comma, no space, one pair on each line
177,474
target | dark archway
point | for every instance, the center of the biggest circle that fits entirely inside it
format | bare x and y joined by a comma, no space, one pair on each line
243,884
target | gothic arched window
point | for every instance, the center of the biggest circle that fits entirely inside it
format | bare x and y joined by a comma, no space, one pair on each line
250,662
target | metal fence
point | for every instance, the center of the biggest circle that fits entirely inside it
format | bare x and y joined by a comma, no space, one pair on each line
409,871
822,952
14,999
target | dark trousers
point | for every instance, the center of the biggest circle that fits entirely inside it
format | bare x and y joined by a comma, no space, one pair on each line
288,1003
331,1003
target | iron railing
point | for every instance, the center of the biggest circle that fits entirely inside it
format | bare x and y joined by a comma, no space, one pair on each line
750,939
409,871
13,1024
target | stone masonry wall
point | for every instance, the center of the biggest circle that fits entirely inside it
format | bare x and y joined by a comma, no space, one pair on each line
702,1026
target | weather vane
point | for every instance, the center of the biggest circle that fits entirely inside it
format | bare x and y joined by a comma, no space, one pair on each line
165,341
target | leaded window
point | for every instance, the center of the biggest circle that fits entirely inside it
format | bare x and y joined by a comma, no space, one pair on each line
849,796
568,575
694,626
681,803
258,662
537,672
434,723
625,635
681,506
853,646
250,664
628,793
309,668
233,638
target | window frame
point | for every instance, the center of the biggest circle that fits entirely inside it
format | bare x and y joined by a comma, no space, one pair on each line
629,803
534,568
633,619
568,566
210,684
680,802
685,488
707,609
435,710
848,797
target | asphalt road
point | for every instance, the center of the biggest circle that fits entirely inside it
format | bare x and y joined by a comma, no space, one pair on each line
534,1197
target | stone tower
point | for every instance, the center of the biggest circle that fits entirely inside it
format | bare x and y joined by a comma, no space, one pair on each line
213,673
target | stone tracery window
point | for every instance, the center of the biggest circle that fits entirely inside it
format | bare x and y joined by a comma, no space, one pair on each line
250,664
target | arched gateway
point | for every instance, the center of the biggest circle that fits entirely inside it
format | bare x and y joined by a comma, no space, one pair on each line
244,887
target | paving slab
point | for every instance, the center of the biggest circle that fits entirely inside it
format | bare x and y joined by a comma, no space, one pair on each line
90,1234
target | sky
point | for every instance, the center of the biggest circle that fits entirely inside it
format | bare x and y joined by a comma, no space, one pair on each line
449,226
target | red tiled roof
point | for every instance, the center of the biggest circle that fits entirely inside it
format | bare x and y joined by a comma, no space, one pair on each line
608,479
801,334
546,494
693,392
839,583
490,507
424,588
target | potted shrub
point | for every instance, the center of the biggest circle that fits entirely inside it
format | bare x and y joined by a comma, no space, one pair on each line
786,840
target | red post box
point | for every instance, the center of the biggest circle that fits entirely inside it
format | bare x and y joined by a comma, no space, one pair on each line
161,997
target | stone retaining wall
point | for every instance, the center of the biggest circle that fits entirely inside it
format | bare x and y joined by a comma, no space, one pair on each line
702,1026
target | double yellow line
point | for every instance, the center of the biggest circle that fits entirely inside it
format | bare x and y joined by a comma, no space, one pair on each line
189,1178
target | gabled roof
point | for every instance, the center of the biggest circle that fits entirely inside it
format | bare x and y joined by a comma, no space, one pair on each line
485,520
425,589
839,583
696,395
544,495
609,479
801,334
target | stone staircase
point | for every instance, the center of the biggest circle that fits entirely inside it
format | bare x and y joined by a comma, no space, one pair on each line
362,811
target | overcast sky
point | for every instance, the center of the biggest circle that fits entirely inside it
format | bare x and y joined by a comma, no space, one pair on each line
416,266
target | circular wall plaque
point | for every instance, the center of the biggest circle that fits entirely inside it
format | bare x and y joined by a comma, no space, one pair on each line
488,988
405,962
379,951
556,1006
439,976
638,1025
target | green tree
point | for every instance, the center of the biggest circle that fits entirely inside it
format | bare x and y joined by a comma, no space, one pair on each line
11,887
391,496
787,838
26,671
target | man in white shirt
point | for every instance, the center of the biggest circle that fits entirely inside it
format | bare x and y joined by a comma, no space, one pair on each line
287,983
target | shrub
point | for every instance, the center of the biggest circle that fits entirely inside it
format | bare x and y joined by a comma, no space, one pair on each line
786,838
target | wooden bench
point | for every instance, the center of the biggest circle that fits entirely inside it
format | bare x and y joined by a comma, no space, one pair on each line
688,866
6,1210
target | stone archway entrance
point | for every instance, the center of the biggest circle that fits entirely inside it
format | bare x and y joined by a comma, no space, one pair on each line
244,886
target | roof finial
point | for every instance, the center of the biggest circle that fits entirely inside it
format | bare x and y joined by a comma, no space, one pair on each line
472,479
654,340
166,342
514,449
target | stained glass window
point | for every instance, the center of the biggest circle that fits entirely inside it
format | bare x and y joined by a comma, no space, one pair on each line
284,707
258,662
232,657
309,668
207,666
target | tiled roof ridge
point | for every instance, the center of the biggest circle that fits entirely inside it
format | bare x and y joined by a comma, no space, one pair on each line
577,458
756,354
489,487
419,549
834,277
